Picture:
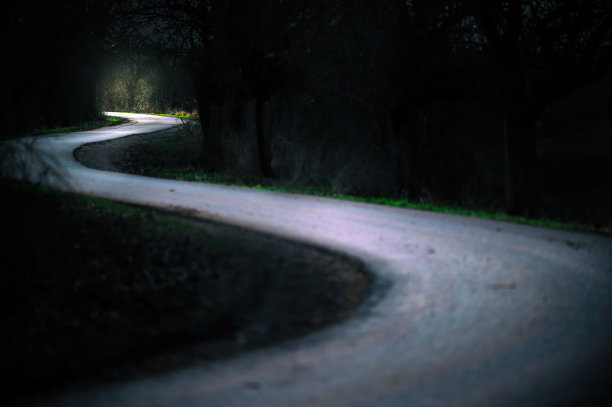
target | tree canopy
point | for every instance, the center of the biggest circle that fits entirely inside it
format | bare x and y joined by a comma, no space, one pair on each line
400,96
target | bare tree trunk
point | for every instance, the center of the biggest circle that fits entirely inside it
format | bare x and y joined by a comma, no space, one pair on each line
398,150
610,106
405,128
131,95
262,150
203,107
521,195
212,152
415,180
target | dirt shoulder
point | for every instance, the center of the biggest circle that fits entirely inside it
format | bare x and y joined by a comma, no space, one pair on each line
96,291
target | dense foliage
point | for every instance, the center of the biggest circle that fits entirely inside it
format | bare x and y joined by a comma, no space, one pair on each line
414,98
53,51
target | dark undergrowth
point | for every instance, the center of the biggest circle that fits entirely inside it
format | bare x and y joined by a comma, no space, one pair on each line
92,289
82,126
574,193
105,121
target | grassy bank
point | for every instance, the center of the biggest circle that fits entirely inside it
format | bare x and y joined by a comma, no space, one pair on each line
106,121
176,157
178,114
96,289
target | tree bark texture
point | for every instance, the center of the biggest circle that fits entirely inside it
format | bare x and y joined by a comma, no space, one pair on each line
262,148
521,194
406,132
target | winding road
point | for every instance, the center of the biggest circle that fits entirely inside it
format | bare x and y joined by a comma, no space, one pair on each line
465,312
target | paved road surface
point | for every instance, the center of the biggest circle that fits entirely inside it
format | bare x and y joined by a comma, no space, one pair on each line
466,312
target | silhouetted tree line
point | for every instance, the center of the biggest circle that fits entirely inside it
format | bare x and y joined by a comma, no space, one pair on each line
52,53
394,97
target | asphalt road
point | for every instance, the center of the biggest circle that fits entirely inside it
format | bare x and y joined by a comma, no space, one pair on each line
465,312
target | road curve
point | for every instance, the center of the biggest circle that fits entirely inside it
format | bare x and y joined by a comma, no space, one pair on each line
466,312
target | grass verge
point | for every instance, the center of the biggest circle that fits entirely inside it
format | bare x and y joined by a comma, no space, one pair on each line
165,157
424,206
107,121
96,289
179,114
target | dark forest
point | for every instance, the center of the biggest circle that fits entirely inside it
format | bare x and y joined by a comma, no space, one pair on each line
465,102
498,109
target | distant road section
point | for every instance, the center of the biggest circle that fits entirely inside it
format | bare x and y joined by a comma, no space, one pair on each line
465,312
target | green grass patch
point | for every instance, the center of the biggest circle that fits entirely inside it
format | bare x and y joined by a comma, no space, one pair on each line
179,115
93,206
477,213
197,176
165,157
454,210
108,121
216,178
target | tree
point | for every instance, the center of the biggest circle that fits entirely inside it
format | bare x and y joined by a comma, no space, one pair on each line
54,49
429,67
243,53
252,39
540,50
